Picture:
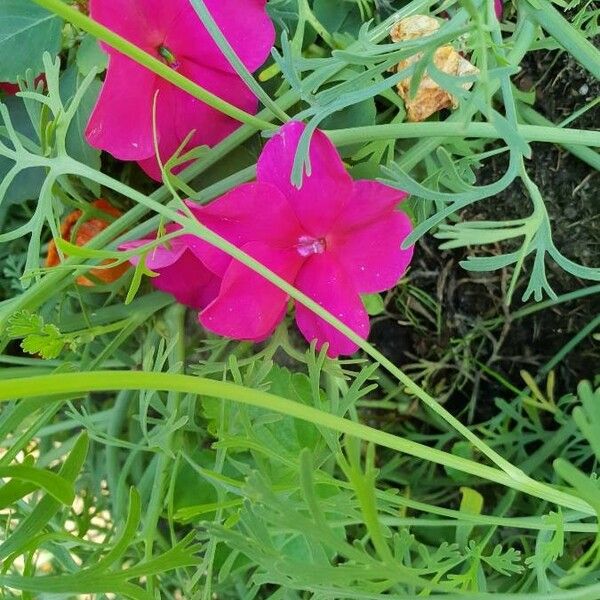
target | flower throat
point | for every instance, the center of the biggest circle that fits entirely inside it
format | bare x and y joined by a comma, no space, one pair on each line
168,56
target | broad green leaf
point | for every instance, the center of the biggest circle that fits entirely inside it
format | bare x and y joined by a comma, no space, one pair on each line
55,485
471,503
338,17
27,184
26,32
374,304
77,145
90,56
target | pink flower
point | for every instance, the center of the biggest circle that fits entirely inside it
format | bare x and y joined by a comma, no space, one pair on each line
333,239
171,30
180,272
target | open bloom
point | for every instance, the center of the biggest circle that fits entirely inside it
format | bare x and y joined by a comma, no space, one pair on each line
333,239
171,30
83,231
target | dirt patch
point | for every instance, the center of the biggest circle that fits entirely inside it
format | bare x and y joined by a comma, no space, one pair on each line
458,321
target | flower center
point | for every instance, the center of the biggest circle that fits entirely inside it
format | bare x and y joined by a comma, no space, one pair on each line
308,245
169,58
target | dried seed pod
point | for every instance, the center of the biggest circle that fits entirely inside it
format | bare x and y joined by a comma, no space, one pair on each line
86,230
413,27
429,97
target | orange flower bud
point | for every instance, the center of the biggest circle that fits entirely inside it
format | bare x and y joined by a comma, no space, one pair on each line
87,230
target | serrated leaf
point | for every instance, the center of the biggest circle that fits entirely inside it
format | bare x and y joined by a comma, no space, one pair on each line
47,347
24,323
504,563
90,56
550,544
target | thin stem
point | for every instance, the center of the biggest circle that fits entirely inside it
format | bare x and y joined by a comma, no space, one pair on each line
531,133
73,383
582,50
221,41
591,157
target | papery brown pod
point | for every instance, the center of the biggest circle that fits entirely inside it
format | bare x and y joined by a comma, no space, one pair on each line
430,97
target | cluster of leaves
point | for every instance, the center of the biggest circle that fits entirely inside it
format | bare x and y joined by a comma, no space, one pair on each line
180,494
281,507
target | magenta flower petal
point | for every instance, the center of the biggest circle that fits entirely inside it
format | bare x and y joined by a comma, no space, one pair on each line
369,200
171,31
324,193
140,21
499,6
188,280
120,122
250,212
180,272
178,114
367,237
323,279
248,306
246,26
159,257
371,255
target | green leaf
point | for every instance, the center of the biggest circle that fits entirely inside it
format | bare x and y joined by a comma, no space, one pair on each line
55,485
373,304
24,323
587,416
38,338
550,544
90,56
338,17
472,504
28,182
48,345
48,506
26,32
504,563
77,145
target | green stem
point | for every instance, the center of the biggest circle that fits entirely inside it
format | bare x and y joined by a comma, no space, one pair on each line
175,319
74,383
152,63
544,13
240,68
531,133
591,157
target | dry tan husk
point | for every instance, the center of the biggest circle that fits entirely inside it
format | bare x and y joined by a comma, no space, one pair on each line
429,97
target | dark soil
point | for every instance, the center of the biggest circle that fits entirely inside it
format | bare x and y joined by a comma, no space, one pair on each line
467,300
